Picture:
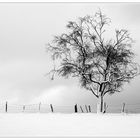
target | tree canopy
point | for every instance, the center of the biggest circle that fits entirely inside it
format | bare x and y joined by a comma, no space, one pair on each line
101,65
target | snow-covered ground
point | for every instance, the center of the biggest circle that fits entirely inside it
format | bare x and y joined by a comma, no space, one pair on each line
69,125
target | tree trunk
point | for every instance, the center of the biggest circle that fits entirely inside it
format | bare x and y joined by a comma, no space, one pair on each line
100,105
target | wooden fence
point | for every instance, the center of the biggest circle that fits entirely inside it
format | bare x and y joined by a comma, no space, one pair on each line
46,108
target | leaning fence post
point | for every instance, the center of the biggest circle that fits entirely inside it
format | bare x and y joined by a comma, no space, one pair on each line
81,109
89,108
123,108
6,106
51,107
75,108
86,108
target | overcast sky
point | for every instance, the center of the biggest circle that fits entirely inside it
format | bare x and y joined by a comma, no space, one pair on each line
25,28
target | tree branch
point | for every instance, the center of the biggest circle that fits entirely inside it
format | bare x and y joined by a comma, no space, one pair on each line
94,92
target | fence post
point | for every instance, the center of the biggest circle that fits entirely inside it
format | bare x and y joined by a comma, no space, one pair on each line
81,109
51,107
123,108
75,108
86,108
6,106
23,108
39,106
105,107
89,108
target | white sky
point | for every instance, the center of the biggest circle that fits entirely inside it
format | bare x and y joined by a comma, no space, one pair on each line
25,28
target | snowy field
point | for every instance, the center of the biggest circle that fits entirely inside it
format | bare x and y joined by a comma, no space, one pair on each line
69,125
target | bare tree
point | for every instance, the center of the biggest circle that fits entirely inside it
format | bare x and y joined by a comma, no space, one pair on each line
101,65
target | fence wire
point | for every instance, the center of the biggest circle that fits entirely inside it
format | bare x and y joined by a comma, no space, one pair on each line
46,108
